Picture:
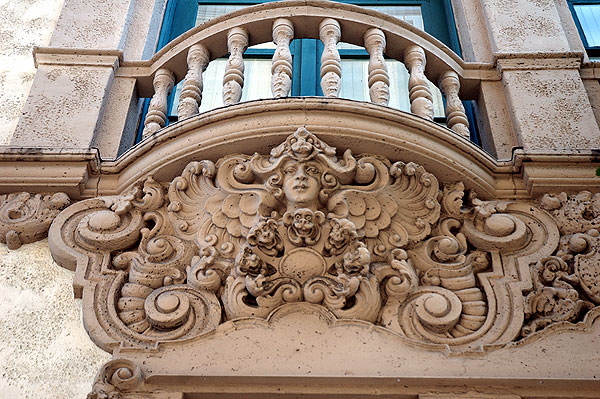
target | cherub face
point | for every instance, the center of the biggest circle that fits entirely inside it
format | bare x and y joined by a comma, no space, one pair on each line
265,235
304,226
301,183
303,222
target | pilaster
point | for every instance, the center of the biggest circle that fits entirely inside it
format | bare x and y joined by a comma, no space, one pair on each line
67,98
75,82
549,105
537,50
525,26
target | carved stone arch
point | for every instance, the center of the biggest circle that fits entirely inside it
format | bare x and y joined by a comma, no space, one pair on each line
360,127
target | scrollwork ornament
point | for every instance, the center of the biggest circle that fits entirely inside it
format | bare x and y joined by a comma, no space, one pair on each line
364,237
25,217
575,213
115,378
554,298
208,270
566,285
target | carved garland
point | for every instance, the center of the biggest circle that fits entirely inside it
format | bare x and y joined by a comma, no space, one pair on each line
365,238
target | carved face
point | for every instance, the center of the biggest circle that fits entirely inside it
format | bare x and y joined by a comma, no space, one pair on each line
301,183
304,226
342,232
303,222
264,235
247,263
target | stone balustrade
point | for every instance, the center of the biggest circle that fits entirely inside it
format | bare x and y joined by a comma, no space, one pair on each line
426,59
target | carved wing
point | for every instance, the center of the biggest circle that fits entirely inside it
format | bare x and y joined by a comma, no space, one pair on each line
208,212
232,215
399,213
188,195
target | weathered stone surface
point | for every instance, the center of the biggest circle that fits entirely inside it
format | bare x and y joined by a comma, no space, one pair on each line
45,352
125,25
25,23
510,24
559,93
357,240
76,94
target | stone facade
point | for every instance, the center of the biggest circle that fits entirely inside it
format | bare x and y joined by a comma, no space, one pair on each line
302,246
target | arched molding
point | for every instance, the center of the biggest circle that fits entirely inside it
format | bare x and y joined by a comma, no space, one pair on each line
360,127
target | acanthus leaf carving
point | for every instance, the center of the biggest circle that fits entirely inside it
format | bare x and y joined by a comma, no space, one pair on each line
566,285
25,217
361,236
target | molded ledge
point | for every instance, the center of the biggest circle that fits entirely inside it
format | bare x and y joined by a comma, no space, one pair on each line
362,127
317,346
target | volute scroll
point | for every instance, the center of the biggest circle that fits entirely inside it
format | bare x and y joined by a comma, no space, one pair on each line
26,217
363,237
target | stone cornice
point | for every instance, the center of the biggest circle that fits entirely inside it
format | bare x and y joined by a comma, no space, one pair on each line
591,70
82,174
37,169
535,62
77,57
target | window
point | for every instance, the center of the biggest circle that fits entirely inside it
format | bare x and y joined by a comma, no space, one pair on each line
587,19
433,16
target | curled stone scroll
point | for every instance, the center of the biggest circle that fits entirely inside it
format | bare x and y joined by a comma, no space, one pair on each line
360,236
25,217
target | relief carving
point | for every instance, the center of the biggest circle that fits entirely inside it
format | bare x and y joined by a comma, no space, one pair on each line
116,378
567,284
360,236
25,218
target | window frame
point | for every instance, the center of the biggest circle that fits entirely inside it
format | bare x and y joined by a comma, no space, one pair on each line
592,51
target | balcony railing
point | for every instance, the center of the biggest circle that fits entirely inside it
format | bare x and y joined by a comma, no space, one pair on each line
381,35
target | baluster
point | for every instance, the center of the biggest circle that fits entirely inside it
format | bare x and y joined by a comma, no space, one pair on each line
331,66
421,100
191,93
379,81
281,69
233,79
456,118
156,118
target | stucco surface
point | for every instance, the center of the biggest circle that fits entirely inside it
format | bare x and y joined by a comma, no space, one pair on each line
45,352
562,118
67,102
537,20
23,24
93,24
